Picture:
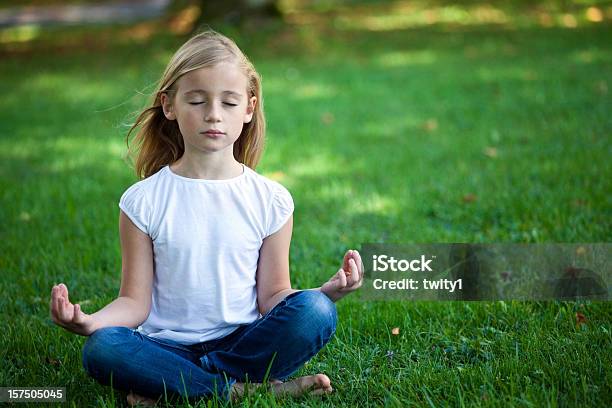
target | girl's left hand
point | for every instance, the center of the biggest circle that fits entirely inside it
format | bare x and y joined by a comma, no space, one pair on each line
348,279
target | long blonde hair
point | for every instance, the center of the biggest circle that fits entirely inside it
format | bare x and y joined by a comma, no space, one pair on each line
158,141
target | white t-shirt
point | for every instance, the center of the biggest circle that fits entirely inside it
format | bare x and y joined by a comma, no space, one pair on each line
206,239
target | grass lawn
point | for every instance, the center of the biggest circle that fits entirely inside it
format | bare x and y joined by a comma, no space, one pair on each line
382,132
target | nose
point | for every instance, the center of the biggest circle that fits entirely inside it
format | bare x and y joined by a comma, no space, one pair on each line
213,113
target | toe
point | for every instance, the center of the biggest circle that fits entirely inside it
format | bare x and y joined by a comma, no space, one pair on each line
322,391
322,381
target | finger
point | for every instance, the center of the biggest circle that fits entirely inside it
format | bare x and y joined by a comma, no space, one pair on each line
55,309
349,273
60,308
354,276
359,263
341,279
357,258
76,318
64,290
66,311
345,261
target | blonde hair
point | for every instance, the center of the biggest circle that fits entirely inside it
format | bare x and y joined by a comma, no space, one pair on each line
159,141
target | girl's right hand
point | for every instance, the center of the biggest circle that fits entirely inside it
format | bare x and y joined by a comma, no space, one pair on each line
67,315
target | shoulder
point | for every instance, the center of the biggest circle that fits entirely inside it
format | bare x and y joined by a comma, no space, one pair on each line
276,199
271,188
140,189
135,202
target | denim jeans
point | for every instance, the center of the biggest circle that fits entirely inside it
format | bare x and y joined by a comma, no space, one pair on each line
281,341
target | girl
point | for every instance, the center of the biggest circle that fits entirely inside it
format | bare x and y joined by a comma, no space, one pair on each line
205,249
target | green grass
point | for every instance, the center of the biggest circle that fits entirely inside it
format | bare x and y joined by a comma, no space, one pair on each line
380,136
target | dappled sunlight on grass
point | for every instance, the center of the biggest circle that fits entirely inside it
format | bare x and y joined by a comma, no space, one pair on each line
60,154
405,15
400,131
373,203
23,33
314,91
402,15
70,87
405,58
321,165
495,74
590,56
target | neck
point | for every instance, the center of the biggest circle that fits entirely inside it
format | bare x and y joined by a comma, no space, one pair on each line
207,166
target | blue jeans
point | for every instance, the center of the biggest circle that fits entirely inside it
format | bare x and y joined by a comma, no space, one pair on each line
280,341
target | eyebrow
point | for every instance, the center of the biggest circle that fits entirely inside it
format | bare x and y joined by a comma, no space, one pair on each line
202,91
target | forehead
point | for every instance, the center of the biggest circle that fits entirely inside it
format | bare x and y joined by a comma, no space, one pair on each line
216,79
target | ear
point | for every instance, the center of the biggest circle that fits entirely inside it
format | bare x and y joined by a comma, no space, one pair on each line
251,103
167,106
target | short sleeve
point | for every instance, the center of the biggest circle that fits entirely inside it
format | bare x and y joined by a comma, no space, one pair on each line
134,204
281,209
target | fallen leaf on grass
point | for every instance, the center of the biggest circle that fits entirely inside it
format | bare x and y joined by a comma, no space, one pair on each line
430,125
327,118
468,198
580,318
579,202
53,361
490,152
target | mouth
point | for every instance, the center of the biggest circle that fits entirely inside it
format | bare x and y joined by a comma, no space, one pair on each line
213,132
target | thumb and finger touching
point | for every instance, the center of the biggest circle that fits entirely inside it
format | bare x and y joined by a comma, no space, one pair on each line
61,308
345,261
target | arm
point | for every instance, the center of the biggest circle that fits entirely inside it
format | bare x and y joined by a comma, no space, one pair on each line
273,283
133,304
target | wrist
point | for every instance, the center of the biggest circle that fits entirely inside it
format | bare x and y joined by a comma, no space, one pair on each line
92,326
332,296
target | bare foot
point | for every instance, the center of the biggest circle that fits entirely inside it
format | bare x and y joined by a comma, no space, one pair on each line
135,399
318,384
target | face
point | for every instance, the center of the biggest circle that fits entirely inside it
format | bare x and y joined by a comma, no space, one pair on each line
211,106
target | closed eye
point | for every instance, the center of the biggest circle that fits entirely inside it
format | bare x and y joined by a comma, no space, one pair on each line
225,103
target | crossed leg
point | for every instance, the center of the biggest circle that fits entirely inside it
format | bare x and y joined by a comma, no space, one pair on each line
275,346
